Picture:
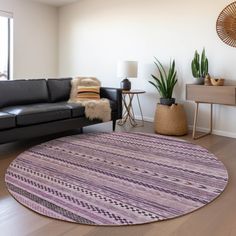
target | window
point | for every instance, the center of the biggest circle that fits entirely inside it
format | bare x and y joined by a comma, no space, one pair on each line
6,32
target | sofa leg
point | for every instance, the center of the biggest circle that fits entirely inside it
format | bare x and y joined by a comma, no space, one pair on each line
114,125
81,130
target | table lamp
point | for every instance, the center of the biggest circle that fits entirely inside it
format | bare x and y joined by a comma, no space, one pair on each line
125,70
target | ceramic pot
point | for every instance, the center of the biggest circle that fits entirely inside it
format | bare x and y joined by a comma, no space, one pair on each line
167,101
199,81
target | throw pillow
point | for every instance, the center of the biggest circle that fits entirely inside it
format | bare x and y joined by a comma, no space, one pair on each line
81,81
88,93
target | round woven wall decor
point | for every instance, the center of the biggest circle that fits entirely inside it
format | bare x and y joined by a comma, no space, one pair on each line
226,25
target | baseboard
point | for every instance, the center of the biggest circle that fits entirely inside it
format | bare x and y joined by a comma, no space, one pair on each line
215,131
148,119
199,129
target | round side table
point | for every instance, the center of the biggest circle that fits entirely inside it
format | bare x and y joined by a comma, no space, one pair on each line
128,112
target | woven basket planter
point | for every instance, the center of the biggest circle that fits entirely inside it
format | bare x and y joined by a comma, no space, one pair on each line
170,120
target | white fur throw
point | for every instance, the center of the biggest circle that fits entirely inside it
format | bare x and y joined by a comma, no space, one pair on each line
94,109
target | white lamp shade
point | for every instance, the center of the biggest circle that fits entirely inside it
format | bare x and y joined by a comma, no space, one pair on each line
127,69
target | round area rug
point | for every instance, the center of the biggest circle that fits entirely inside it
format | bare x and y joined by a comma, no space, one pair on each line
115,178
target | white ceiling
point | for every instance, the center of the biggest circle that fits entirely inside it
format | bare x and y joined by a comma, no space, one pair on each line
57,3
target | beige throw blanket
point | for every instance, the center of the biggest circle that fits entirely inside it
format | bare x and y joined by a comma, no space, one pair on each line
94,109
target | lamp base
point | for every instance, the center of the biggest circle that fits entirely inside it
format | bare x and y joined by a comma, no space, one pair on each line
125,84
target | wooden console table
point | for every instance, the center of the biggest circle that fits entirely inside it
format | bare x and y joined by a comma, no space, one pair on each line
222,95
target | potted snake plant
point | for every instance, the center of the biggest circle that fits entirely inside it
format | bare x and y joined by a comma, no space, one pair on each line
199,67
165,82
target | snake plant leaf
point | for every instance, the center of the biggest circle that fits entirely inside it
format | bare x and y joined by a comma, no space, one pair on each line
173,82
159,84
206,67
195,71
170,74
154,85
196,60
162,75
161,66
203,60
166,81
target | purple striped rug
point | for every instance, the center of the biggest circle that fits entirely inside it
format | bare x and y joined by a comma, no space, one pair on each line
115,178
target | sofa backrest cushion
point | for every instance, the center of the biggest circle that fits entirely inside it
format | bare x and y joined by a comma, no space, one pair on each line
21,92
59,89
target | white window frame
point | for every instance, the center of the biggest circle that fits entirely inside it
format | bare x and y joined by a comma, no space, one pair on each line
9,15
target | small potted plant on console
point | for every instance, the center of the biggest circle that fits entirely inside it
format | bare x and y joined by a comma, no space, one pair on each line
200,67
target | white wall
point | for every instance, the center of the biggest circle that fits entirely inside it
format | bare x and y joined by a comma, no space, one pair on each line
35,38
95,34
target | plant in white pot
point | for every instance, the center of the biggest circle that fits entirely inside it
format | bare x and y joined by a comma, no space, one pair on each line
199,67
165,82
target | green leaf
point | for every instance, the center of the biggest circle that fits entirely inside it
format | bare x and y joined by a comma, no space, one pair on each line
163,69
170,77
203,59
166,81
195,70
197,60
154,86
159,85
206,66
162,79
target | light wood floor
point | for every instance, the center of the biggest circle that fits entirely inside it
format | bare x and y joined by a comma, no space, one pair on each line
216,219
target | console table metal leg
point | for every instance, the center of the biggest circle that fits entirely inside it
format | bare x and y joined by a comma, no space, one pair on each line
195,122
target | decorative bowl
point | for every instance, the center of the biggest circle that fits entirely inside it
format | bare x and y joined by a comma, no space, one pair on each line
217,82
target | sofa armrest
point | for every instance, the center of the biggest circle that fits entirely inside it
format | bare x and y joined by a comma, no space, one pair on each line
115,95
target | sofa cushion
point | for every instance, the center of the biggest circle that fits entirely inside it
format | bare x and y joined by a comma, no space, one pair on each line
20,92
77,110
7,121
59,89
38,113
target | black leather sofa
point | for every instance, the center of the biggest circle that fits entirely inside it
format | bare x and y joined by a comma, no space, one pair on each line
33,108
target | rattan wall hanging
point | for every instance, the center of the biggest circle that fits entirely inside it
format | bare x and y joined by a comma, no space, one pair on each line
226,25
